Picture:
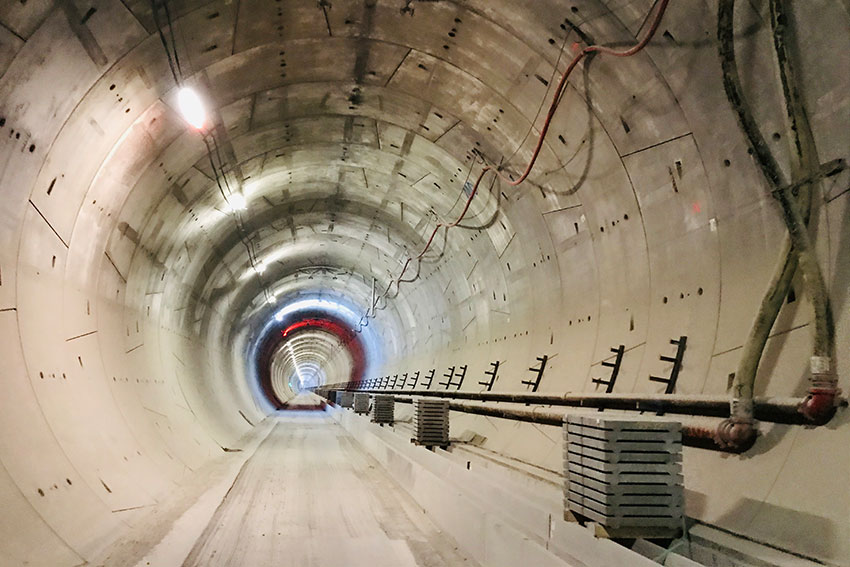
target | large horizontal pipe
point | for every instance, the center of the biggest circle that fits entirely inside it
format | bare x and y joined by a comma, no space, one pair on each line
693,434
530,416
774,410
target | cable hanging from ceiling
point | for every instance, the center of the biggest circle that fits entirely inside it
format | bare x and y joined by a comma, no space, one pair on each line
191,107
498,170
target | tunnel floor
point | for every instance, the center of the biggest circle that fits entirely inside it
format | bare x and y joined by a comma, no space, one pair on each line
310,495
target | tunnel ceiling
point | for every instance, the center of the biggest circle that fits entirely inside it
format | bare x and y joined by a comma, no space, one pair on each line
354,127
351,127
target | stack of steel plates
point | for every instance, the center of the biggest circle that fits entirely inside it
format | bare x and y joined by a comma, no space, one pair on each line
344,398
361,402
430,422
383,409
625,474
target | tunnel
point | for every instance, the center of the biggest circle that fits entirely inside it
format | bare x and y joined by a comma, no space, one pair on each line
226,225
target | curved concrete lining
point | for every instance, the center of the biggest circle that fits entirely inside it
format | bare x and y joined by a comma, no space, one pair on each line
130,310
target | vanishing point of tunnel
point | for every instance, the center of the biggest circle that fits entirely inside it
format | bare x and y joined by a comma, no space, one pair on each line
433,283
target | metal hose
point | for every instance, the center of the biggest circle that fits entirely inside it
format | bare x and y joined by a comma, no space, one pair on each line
797,249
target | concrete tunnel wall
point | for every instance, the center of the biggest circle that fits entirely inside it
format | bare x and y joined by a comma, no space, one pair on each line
127,302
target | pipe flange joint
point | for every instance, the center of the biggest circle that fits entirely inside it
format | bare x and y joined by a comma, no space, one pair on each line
736,435
822,377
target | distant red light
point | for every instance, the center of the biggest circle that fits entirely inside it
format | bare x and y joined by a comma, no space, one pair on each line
341,332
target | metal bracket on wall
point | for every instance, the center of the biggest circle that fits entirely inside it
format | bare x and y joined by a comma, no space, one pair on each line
395,379
430,378
681,343
492,374
414,381
462,373
385,381
615,369
535,383
403,381
448,376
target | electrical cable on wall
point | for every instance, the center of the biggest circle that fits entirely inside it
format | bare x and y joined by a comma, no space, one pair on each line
553,107
210,141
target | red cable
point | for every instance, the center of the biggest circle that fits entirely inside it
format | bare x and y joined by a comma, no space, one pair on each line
556,100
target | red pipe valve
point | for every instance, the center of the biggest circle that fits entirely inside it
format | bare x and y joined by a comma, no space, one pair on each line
819,405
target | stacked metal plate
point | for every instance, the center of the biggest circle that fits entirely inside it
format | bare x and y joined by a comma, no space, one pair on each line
383,409
625,474
430,422
345,399
361,402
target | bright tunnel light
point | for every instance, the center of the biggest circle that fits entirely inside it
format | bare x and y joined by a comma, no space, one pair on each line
320,304
237,202
191,107
260,267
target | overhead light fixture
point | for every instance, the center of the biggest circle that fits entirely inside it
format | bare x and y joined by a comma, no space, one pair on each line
260,267
272,300
191,107
237,202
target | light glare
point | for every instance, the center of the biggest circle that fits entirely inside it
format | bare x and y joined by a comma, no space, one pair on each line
237,202
304,304
191,107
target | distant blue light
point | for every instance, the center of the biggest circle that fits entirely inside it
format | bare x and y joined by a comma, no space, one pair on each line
299,306
339,309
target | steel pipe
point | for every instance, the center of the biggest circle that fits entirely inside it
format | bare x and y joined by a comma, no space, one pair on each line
773,410
717,436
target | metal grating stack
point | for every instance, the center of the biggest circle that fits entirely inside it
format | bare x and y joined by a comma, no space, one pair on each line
361,402
430,422
344,398
383,409
625,474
